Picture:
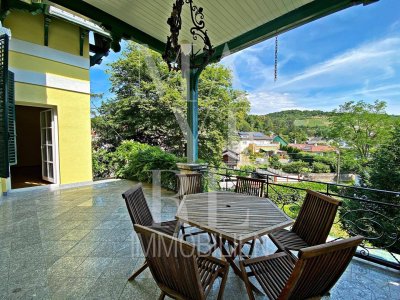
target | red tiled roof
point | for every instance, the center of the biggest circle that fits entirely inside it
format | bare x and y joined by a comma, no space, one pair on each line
312,148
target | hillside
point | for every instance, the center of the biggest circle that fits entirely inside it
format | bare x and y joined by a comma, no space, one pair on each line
293,125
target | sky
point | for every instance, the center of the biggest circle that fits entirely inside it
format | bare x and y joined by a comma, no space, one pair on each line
351,55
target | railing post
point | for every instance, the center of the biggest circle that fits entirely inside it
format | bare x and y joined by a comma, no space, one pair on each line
226,177
267,186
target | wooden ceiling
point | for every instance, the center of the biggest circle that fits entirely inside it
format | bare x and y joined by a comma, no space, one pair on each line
232,25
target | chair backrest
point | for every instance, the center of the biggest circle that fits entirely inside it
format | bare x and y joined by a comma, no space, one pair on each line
319,268
172,262
315,218
249,186
188,184
137,206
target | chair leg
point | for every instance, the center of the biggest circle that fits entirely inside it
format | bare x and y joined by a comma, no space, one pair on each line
253,243
223,283
211,238
162,296
247,282
138,271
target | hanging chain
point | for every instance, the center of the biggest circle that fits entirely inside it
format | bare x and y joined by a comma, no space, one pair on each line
276,59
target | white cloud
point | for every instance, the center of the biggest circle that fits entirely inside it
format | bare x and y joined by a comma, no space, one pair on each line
366,72
376,60
268,102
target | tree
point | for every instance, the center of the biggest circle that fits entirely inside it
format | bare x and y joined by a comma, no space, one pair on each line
361,125
378,219
385,164
150,105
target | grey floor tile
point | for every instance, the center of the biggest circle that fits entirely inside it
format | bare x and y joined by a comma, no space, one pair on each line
145,289
83,248
93,266
74,288
28,290
65,266
107,288
79,244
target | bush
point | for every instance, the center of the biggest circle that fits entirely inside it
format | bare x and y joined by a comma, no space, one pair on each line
318,167
275,163
296,167
143,162
327,159
136,161
101,162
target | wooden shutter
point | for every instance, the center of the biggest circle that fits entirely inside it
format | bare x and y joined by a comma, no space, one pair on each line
4,163
12,136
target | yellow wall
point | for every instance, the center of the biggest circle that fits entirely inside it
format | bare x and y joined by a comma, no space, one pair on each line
63,36
73,110
72,107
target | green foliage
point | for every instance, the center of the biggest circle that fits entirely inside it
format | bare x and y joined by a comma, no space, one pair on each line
318,121
101,163
275,163
290,150
136,161
361,125
384,174
385,165
327,159
247,168
349,162
291,124
296,167
319,167
150,106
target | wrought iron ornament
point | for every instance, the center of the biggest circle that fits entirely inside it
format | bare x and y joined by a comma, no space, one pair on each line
173,50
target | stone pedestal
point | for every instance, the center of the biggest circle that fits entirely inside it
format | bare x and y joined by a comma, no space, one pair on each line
188,168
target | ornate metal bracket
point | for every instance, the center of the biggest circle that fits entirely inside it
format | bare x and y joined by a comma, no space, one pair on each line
173,51
47,21
83,33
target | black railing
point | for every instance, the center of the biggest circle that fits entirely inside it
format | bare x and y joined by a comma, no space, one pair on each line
373,213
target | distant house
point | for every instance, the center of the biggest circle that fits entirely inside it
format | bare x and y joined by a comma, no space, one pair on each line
317,149
280,140
230,158
258,141
316,141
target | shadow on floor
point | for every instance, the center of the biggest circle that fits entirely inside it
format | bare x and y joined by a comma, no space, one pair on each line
22,177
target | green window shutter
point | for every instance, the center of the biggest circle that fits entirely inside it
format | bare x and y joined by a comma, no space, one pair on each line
12,136
4,164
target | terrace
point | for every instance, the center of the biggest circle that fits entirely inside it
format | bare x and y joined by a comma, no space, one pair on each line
78,242
73,242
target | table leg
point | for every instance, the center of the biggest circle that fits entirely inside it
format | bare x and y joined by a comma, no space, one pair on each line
230,258
177,229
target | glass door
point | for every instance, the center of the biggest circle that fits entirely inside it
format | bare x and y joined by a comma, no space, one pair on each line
47,145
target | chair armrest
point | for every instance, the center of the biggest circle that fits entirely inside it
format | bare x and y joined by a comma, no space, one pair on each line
247,262
293,254
215,260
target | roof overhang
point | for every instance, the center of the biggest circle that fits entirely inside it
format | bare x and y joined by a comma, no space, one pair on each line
232,25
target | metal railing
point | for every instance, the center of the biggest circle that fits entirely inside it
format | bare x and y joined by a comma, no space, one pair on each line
373,213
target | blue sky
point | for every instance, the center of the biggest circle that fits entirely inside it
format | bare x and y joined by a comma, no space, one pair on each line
351,55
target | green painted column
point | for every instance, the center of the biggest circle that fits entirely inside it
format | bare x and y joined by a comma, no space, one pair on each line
193,115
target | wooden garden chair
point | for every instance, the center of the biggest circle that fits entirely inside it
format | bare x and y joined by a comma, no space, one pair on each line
312,225
250,186
181,272
140,214
188,184
315,272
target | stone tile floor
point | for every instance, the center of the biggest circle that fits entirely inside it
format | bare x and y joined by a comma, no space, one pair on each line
77,243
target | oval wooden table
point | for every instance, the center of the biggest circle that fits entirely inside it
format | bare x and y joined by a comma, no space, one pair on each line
232,218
